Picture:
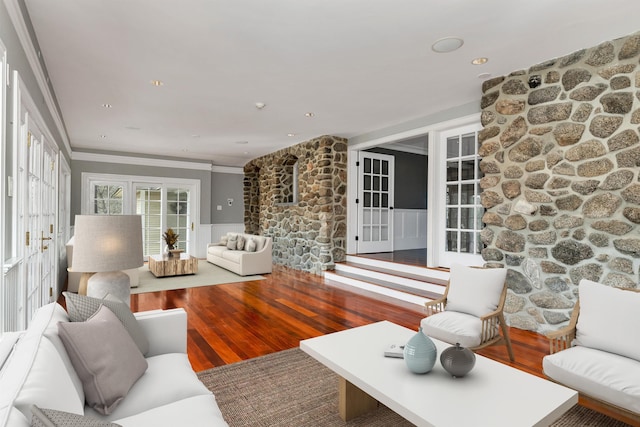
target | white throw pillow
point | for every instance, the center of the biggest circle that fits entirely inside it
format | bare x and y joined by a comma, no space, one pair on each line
475,291
608,317
232,242
240,245
250,246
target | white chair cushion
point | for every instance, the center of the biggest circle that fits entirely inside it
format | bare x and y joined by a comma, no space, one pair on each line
171,378
606,316
197,411
475,291
609,377
453,327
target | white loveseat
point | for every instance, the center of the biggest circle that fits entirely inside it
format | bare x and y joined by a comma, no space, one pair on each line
598,353
243,261
35,369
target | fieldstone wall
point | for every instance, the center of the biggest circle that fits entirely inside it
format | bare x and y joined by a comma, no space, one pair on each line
560,155
309,235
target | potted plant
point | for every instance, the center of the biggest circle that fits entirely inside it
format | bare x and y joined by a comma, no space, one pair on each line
170,238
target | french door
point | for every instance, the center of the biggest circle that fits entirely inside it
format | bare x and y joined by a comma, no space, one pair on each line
375,202
164,207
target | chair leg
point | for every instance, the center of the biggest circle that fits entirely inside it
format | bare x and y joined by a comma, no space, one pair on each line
505,335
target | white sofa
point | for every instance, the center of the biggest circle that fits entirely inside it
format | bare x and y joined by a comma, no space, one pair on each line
73,277
598,353
35,369
242,262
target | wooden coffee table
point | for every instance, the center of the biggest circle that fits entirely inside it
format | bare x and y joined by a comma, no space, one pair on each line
492,394
163,266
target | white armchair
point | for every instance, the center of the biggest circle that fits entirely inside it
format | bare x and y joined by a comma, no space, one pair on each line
470,311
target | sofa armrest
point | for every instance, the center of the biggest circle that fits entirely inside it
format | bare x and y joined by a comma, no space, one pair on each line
166,330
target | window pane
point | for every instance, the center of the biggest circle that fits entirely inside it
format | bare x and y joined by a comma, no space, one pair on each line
452,218
385,167
385,200
453,147
452,194
467,218
452,171
452,241
468,169
385,184
466,242
469,144
367,200
376,200
115,207
367,182
376,166
367,165
467,192
376,183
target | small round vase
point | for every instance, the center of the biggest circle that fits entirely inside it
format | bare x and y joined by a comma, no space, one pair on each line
458,360
420,353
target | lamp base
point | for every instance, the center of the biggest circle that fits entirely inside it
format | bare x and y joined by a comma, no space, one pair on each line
115,283
82,284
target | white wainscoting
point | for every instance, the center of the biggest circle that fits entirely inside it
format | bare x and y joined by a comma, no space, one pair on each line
11,297
409,229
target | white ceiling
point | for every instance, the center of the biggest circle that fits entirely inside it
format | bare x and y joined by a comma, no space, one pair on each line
358,65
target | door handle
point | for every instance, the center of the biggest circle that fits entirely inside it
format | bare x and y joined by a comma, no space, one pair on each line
44,247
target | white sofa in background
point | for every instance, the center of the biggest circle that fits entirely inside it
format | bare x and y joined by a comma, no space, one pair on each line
35,369
598,353
242,262
73,281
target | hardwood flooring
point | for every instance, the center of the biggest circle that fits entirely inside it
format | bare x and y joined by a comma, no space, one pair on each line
232,322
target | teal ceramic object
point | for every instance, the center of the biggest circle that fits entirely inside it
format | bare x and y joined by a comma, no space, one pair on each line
420,353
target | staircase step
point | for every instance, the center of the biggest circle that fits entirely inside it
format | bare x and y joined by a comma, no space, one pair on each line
431,275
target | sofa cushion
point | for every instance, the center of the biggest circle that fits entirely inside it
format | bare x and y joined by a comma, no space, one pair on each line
234,256
216,250
453,327
241,241
42,417
81,308
261,241
169,376
232,242
606,376
604,310
35,372
475,291
250,246
105,357
197,411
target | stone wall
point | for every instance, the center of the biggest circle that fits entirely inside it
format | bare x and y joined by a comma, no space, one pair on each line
309,235
560,155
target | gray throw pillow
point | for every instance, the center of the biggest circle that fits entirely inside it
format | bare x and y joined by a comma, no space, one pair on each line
82,307
241,241
232,242
41,417
105,358
250,246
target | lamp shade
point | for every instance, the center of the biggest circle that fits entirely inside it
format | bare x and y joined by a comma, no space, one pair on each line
107,243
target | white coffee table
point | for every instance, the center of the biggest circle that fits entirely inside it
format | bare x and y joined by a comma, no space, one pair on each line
492,394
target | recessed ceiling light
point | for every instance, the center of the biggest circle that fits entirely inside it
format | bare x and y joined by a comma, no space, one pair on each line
260,105
309,114
447,44
480,61
157,82
291,134
484,75
102,136
107,105
242,142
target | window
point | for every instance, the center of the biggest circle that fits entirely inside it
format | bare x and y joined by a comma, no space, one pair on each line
107,199
287,181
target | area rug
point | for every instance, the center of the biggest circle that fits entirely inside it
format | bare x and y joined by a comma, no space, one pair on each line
291,389
208,274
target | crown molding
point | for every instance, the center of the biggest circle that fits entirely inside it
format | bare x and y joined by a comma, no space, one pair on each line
17,19
227,169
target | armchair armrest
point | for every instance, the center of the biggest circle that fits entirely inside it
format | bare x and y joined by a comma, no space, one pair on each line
435,306
166,330
561,339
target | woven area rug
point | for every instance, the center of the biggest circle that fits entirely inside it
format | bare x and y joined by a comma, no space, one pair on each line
207,275
291,389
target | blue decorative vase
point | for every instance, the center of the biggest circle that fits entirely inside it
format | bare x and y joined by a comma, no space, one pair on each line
420,353
458,360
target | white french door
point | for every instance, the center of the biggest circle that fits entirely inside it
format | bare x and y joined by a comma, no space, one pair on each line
375,202
35,204
460,219
162,207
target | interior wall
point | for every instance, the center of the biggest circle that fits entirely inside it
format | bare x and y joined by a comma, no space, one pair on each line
561,155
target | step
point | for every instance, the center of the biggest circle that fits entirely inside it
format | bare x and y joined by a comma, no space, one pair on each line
431,275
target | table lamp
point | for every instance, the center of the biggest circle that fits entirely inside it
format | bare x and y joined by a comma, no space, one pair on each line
104,245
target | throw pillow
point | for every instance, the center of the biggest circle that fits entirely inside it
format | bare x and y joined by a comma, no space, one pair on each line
105,358
250,246
475,291
41,417
223,240
81,307
606,314
232,242
241,241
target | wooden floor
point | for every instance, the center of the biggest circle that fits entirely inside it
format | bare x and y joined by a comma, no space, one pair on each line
233,322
